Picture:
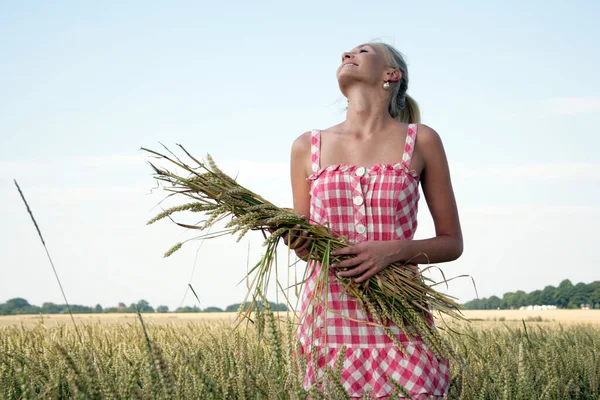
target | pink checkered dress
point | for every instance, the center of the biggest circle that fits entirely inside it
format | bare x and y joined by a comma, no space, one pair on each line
365,203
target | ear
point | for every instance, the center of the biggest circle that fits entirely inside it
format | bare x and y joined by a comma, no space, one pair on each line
393,75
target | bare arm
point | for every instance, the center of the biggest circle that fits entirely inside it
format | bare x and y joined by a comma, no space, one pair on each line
299,166
447,245
300,163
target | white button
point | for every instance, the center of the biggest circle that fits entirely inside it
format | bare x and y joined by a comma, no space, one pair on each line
358,200
360,171
360,228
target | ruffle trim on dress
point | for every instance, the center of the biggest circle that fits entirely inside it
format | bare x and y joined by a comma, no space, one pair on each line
366,370
374,169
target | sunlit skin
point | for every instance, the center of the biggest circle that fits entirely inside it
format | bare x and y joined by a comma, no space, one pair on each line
368,136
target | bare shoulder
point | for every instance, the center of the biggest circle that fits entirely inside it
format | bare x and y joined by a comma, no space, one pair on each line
331,131
427,136
300,157
302,143
429,143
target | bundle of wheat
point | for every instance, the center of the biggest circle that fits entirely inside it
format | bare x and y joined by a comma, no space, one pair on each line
399,293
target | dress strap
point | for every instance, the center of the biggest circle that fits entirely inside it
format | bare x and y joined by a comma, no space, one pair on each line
315,149
409,146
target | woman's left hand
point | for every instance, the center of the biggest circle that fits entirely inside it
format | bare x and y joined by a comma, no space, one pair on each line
370,258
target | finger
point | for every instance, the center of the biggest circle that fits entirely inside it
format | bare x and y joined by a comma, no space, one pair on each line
364,277
303,250
346,251
295,242
349,263
359,270
303,254
291,235
289,238
284,238
300,239
304,246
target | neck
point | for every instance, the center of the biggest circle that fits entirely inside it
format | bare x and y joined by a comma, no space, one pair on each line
367,112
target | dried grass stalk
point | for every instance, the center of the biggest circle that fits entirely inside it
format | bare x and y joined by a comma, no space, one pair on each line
399,293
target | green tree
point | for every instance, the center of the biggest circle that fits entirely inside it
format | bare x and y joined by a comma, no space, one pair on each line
474,304
234,307
98,308
143,306
519,299
18,302
508,301
162,309
188,309
279,307
5,309
563,293
581,295
79,309
533,298
593,286
595,298
213,309
26,310
493,303
51,308
274,306
547,296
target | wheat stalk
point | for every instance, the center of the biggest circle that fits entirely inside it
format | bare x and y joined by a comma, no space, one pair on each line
396,293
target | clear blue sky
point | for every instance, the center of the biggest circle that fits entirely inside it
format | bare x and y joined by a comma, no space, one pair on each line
511,87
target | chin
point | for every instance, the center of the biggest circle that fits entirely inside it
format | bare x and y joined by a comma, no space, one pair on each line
345,79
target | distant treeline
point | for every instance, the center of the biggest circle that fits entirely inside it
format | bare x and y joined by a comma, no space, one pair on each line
21,306
566,295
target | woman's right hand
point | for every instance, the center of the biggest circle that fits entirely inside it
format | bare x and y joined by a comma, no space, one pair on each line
298,240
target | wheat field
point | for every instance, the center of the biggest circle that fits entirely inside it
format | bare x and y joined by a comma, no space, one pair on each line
203,356
478,317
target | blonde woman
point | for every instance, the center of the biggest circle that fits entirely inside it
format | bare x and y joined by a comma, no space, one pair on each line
361,177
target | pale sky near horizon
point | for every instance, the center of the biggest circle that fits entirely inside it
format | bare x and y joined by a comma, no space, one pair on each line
511,87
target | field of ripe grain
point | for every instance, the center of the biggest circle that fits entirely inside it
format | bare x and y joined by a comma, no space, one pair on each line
114,318
200,356
475,316
558,316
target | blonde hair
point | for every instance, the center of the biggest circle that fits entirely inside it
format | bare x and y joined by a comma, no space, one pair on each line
402,107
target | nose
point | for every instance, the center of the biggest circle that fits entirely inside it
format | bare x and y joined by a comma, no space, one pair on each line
346,55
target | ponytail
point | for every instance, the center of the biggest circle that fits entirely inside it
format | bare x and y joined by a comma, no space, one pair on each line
410,114
402,107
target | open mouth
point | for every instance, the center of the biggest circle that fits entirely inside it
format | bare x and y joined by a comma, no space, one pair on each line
350,65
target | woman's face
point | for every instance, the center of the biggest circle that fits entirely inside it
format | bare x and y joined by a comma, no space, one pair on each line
364,63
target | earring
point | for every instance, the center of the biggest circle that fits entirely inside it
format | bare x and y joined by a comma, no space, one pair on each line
386,85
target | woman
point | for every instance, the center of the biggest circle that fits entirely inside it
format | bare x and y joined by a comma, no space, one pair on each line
361,177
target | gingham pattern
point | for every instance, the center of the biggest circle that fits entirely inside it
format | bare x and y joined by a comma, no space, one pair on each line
364,203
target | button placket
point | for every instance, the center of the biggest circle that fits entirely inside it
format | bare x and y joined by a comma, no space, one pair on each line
358,200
